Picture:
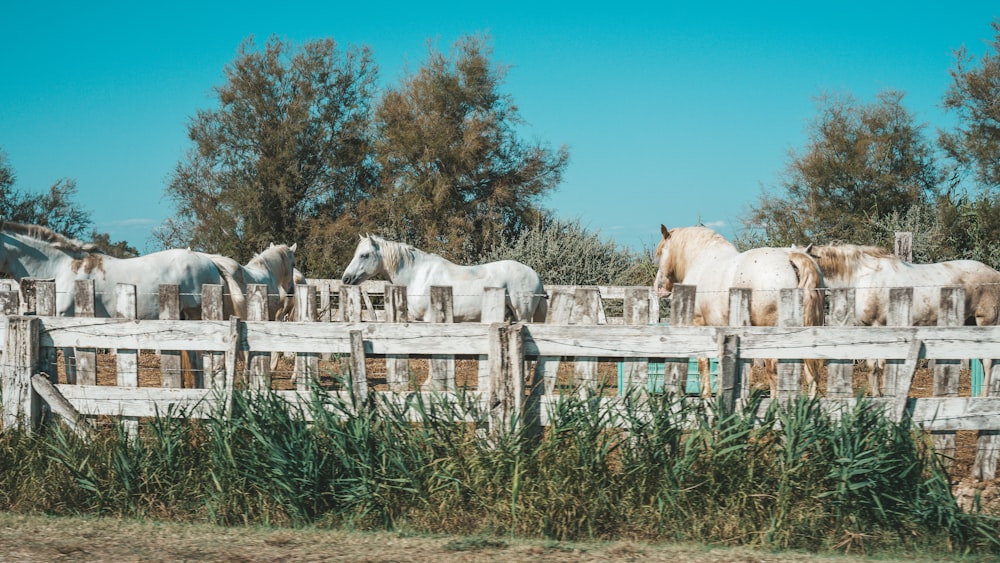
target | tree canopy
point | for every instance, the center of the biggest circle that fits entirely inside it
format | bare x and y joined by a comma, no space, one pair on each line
303,148
861,163
287,147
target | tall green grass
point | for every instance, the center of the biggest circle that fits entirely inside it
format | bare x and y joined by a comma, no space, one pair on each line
661,469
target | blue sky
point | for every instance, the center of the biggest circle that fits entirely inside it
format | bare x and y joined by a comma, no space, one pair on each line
672,113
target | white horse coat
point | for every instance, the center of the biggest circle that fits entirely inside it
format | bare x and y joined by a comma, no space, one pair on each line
38,252
419,271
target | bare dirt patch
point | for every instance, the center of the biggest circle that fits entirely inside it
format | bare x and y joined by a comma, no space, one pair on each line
42,538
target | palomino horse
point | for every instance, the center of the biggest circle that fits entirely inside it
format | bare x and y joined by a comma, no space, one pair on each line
419,271
701,257
38,252
872,271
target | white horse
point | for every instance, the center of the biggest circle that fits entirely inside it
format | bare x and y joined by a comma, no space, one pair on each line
872,271
419,271
30,251
701,257
274,268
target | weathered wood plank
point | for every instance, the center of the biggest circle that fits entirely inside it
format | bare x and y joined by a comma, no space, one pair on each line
170,360
397,366
85,369
441,375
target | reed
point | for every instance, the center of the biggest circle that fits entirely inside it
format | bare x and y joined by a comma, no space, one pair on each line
658,468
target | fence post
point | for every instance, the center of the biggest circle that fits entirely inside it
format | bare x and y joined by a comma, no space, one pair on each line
503,388
350,303
85,370
494,306
789,371
215,370
359,371
586,304
259,361
29,296
675,370
560,309
441,375
21,405
127,360
45,306
306,363
951,312
840,373
900,313
636,312
170,360
739,315
397,366
325,303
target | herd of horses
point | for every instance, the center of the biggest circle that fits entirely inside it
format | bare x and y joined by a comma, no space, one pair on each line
695,256
698,256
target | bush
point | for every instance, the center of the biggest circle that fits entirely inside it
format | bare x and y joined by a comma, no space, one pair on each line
564,253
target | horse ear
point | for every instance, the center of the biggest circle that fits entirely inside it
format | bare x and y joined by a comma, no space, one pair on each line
807,248
664,230
294,246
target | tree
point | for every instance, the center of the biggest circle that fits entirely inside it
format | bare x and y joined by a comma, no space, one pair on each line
974,143
54,209
455,176
287,150
862,163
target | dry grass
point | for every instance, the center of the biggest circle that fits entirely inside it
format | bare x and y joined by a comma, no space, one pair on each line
43,538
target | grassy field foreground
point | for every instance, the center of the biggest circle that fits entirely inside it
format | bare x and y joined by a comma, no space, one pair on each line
46,538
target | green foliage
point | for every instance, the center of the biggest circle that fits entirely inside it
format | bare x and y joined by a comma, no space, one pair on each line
861,162
55,209
455,176
974,143
789,477
285,151
564,253
303,148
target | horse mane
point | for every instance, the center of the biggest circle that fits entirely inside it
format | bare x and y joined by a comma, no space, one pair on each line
45,234
684,241
266,259
843,260
395,255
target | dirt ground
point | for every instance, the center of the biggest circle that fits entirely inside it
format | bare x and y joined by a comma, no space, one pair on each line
43,538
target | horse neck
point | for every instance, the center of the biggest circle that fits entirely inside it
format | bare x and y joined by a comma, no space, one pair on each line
26,257
704,248
401,262
269,267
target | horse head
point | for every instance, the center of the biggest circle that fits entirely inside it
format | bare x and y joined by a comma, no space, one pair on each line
665,275
367,261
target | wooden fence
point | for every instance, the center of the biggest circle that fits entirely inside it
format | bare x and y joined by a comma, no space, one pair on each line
518,364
